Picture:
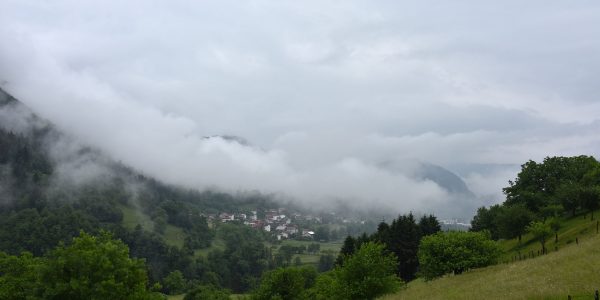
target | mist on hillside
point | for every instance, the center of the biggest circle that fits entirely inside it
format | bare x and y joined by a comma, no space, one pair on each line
399,107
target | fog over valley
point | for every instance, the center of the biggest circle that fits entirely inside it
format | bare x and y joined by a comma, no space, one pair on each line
413,106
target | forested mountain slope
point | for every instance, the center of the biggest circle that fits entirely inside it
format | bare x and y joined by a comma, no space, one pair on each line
52,187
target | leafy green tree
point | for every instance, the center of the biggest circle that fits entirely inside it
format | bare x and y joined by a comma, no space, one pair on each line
512,221
538,183
94,267
551,211
369,273
325,287
286,283
541,231
19,276
487,219
207,292
244,259
174,283
555,226
567,195
455,252
589,198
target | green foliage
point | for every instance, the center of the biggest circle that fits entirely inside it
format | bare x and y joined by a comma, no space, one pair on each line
174,283
541,231
313,248
455,252
19,276
429,225
589,197
402,238
487,219
326,262
207,292
243,260
348,249
541,191
297,261
322,234
538,182
94,268
511,221
367,274
286,283
38,232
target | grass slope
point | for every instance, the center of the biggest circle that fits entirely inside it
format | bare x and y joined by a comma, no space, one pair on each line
173,235
579,227
573,270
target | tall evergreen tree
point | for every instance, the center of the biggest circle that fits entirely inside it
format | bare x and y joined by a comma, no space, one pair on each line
348,249
405,235
429,225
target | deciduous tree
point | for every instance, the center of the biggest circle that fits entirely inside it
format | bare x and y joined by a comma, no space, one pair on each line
455,252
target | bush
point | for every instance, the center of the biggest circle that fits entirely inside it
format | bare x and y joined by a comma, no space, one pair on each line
286,283
455,252
207,292
369,273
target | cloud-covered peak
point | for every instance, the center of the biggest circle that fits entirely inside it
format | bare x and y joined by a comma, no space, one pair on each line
324,91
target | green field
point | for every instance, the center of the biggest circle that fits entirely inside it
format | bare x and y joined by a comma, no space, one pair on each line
306,258
217,243
329,246
313,259
173,235
132,217
572,270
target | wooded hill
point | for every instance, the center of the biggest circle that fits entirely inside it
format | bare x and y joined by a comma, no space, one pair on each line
47,196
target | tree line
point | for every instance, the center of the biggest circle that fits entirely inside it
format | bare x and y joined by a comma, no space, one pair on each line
541,193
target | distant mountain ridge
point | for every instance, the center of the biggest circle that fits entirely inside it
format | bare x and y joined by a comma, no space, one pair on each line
444,178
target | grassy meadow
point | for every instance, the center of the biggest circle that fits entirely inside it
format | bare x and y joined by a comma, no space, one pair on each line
174,236
572,270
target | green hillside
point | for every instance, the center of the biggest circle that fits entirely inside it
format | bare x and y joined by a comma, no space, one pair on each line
572,270
173,236
572,229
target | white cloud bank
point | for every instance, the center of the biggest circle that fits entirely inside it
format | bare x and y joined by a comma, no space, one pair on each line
326,91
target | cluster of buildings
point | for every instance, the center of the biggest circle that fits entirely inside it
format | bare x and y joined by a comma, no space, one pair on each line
275,221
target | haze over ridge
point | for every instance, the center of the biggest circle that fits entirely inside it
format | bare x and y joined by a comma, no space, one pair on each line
324,92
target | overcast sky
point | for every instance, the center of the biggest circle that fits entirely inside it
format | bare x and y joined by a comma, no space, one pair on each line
324,91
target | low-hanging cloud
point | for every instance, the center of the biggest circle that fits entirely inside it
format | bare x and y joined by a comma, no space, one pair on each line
324,92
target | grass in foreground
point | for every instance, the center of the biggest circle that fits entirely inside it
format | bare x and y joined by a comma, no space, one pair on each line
574,270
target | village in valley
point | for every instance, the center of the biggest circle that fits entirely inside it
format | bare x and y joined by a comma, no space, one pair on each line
281,224
284,224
